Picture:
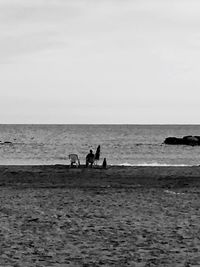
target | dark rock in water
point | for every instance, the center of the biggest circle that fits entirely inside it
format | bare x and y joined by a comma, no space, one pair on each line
7,142
174,141
189,140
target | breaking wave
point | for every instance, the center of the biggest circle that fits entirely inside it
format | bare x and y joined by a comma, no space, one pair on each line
154,164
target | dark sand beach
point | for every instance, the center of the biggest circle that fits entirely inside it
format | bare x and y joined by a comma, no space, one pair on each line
121,216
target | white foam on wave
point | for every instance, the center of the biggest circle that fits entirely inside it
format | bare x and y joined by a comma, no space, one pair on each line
154,164
173,192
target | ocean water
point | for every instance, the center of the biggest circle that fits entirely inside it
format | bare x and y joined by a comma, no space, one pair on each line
120,144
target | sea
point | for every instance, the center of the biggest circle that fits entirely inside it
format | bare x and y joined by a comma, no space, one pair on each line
130,145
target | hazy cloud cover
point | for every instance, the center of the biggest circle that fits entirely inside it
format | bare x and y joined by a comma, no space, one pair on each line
97,61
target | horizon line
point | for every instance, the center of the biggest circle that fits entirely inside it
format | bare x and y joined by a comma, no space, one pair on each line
101,124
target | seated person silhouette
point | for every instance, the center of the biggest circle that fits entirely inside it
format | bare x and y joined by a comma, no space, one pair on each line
90,159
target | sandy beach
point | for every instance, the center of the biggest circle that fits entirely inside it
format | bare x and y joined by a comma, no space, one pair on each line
120,216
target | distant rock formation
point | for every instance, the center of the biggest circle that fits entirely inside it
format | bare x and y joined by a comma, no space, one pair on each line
189,140
6,143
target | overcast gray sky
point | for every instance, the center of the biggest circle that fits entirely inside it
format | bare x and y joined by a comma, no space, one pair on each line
98,61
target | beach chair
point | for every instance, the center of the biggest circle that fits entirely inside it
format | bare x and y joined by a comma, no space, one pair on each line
74,160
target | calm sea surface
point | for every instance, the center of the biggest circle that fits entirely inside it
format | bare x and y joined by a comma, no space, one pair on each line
120,144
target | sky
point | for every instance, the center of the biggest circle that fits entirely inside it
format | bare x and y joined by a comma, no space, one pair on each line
100,61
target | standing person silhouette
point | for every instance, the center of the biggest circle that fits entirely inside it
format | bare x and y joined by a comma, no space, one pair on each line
90,159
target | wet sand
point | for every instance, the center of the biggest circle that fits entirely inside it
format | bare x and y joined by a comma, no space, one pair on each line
121,216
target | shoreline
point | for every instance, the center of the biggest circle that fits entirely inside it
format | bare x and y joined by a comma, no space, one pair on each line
114,176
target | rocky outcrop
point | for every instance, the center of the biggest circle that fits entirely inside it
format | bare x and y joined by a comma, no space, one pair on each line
189,140
7,143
